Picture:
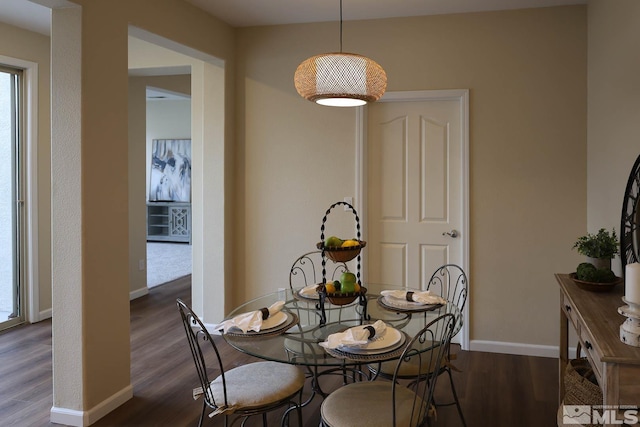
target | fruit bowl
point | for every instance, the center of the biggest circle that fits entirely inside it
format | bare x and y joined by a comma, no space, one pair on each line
339,298
341,254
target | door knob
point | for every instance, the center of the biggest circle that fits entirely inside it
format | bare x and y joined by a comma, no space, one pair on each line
453,233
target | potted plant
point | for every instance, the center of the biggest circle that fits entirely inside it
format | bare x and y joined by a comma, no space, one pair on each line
599,248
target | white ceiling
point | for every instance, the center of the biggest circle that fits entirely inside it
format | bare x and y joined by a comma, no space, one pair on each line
159,94
243,13
25,14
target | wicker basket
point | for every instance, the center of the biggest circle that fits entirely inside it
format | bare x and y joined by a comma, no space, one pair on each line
580,385
339,254
338,298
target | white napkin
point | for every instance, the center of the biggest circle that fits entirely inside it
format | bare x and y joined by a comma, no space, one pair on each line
309,291
250,321
422,297
356,336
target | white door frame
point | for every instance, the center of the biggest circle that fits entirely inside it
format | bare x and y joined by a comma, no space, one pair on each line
462,95
31,283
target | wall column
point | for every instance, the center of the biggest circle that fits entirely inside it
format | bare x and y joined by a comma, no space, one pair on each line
90,289
66,214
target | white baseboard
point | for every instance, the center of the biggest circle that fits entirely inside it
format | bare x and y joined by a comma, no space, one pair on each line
68,417
522,349
75,418
211,328
138,293
44,314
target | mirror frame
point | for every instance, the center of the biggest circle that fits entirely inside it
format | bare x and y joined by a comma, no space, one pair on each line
630,219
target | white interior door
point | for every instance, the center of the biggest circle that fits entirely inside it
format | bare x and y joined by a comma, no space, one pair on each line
416,186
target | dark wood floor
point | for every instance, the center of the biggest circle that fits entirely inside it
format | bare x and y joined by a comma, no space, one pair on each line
495,389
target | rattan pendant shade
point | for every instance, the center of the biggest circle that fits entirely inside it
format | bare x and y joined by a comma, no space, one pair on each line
340,79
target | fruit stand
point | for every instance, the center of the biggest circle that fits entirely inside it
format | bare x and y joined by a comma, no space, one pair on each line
347,251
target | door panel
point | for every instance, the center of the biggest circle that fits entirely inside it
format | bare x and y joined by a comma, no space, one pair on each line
414,189
433,170
392,167
392,271
432,257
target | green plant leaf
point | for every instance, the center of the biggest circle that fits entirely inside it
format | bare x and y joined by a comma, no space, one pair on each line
600,245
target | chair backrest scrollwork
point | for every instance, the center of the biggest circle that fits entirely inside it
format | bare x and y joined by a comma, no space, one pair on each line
197,335
306,270
426,352
451,283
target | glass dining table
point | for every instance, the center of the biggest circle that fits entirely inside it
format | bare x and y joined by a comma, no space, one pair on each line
295,337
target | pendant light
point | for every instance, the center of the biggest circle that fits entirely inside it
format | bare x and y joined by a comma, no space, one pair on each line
340,79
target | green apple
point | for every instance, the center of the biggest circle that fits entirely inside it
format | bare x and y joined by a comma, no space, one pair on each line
347,288
347,282
333,242
347,277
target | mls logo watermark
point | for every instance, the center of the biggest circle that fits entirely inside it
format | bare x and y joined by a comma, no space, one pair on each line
600,415
576,414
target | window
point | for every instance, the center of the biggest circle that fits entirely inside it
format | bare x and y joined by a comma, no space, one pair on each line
11,198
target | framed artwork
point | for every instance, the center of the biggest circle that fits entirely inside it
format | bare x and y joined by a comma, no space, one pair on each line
170,176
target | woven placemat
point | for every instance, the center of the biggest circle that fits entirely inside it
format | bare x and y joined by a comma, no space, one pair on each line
386,354
408,309
292,319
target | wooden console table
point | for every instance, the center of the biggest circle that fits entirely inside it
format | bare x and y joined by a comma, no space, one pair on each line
595,318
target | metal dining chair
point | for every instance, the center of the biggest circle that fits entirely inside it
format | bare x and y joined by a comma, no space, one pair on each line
246,390
390,403
451,283
305,271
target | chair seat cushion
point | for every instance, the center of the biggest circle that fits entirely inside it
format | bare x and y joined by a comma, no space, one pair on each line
257,384
369,404
410,368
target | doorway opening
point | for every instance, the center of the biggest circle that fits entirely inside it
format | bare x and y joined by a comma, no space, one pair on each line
208,147
168,178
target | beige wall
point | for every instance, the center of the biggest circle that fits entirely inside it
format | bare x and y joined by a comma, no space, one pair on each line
103,319
26,45
137,184
526,72
614,111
